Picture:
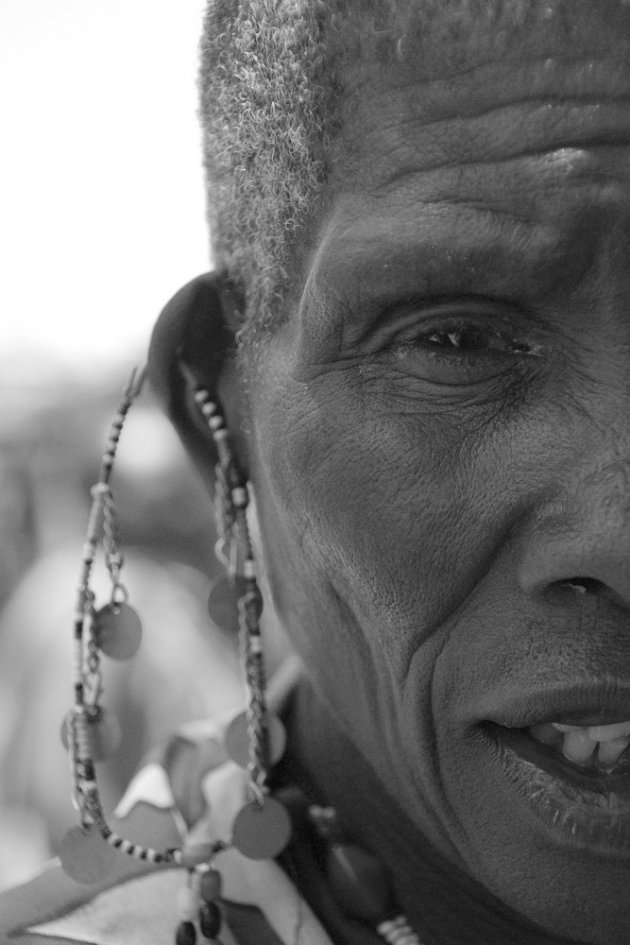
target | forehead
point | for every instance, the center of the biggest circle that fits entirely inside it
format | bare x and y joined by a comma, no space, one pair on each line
423,62
448,35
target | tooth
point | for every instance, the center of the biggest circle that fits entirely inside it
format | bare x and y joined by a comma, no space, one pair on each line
545,733
609,751
609,733
561,727
577,746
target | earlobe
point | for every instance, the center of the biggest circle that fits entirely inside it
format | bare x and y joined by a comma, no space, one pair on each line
194,345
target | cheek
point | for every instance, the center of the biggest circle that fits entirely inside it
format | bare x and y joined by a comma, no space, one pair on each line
379,516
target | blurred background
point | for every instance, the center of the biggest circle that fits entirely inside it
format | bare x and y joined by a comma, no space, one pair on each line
102,219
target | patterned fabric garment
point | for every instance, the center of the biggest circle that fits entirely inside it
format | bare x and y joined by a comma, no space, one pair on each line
136,904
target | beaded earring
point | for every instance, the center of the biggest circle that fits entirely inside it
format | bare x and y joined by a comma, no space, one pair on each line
255,739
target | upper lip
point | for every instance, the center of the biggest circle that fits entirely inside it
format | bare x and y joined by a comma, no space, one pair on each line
601,703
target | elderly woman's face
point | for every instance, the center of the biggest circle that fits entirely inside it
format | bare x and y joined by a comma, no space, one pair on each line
441,441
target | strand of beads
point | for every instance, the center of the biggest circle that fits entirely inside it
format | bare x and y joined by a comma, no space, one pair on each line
359,882
198,904
90,732
262,828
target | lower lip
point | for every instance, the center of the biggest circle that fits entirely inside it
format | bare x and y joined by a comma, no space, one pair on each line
579,808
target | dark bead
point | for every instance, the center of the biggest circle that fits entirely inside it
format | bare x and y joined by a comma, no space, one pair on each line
210,919
254,603
359,882
210,885
234,478
186,934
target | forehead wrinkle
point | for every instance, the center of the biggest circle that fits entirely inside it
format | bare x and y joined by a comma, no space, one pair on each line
597,177
537,107
445,41
497,24
432,165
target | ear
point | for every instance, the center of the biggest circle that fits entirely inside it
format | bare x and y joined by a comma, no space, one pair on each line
194,344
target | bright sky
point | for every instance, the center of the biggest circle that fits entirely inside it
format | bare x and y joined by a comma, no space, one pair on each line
101,197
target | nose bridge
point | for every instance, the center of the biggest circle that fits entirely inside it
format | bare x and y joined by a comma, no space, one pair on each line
595,487
584,531
604,491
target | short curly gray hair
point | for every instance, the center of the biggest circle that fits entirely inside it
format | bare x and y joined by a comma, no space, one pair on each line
265,122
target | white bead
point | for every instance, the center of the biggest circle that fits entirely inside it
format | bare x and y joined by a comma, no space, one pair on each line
390,926
187,904
255,644
239,497
398,932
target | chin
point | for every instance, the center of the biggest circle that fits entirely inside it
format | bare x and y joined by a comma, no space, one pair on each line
550,834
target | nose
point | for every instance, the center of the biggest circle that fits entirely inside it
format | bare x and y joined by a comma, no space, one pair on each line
582,538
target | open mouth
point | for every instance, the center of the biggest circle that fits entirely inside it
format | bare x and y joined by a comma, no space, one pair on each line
575,777
600,749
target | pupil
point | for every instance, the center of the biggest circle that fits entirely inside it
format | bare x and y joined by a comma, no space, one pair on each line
468,339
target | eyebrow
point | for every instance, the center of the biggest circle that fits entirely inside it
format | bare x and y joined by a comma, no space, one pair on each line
451,248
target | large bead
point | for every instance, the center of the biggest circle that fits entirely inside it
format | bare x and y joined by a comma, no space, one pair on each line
210,885
210,919
186,934
85,856
237,739
118,631
359,882
261,832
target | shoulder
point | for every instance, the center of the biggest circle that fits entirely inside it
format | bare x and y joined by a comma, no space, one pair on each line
188,793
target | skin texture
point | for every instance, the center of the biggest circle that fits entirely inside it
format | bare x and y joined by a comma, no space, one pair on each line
422,498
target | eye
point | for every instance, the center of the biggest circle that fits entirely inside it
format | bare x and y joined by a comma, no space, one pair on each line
463,337
464,342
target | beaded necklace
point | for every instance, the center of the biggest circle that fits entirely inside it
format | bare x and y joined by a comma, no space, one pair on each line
359,881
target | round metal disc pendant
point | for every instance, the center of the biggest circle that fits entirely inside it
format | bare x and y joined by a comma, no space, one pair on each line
260,833
85,856
223,604
237,740
104,733
118,631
